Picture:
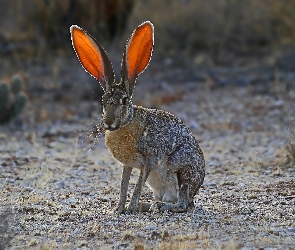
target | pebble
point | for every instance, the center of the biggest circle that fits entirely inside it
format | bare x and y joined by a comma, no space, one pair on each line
60,184
187,219
72,200
150,227
291,229
12,181
81,168
210,184
29,189
155,234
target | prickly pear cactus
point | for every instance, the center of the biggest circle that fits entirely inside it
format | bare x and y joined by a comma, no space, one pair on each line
12,99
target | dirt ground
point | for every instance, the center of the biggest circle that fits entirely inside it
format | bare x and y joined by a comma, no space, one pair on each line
57,192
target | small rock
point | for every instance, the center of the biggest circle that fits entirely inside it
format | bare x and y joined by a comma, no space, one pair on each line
155,234
83,243
150,227
275,231
124,246
80,168
29,189
60,184
72,200
12,181
104,199
165,220
187,219
245,211
210,184
75,232
291,229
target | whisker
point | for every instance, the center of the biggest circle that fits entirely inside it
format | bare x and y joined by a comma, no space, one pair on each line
90,139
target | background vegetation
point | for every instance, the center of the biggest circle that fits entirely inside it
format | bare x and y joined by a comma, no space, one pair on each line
190,35
188,27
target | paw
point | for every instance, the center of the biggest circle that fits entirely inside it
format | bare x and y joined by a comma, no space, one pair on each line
118,210
162,206
132,209
157,207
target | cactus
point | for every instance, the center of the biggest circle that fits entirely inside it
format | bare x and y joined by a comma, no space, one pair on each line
16,84
12,99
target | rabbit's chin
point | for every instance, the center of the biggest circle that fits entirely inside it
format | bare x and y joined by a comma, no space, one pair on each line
111,127
117,125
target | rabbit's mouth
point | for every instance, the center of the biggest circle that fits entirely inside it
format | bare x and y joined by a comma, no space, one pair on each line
111,127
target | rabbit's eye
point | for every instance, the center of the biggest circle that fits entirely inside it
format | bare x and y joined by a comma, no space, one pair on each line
123,100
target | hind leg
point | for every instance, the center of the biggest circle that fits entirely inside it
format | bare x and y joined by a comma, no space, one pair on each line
174,197
190,178
190,175
180,206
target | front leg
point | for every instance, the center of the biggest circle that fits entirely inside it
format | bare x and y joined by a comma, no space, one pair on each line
123,192
144,173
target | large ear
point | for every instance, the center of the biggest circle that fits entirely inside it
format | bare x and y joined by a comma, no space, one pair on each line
137,54
93,57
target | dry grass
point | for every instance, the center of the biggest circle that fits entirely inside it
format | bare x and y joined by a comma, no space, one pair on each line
33,28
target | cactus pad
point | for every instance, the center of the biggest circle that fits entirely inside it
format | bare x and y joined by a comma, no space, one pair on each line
12,99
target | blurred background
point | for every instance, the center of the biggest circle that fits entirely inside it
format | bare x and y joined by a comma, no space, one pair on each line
229,42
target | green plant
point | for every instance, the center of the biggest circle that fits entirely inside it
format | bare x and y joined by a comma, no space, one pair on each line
12,99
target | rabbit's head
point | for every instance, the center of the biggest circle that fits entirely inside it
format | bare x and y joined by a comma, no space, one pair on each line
117,106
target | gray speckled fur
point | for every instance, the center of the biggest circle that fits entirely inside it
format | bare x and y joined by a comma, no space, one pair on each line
171,145
162,148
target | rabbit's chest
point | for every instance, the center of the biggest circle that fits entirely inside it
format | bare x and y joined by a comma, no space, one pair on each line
123,144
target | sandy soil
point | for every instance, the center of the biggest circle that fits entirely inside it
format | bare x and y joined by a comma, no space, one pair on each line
54,194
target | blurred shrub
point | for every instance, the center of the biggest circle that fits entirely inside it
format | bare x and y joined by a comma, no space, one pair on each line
218,26
190,26
42,24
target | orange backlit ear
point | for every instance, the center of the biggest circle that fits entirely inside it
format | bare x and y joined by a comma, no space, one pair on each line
139,49
92,56
137,53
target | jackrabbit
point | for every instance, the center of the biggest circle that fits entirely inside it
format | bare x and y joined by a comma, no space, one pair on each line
154,141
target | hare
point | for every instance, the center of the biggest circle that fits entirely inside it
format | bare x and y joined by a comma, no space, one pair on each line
153,141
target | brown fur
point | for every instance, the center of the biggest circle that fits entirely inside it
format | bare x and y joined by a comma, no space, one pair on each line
123,143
